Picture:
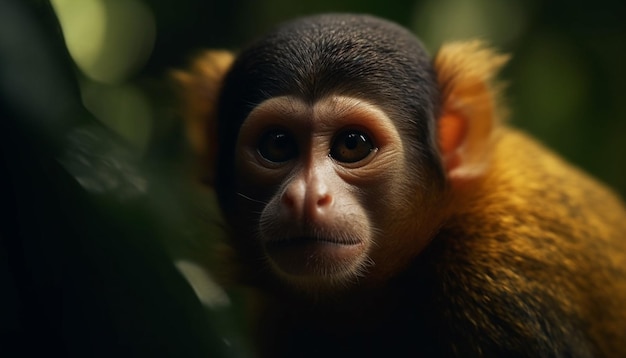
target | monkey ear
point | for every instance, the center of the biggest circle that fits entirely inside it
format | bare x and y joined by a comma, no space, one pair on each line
470,108
199,88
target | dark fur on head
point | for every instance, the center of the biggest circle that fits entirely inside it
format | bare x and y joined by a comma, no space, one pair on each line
354,55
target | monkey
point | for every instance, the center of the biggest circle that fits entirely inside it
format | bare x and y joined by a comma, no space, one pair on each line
379,204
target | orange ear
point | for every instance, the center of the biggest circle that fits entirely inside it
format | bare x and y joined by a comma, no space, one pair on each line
465,72
199,89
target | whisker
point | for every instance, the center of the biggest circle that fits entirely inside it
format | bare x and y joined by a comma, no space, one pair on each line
251,199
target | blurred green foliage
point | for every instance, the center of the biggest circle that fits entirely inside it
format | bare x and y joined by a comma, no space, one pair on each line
106,220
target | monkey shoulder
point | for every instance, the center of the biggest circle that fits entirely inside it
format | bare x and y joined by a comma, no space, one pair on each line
541,197
531,195
537,258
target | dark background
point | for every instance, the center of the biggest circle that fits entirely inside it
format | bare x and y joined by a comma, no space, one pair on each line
97,192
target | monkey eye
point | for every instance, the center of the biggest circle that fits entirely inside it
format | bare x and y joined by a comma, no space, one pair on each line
277,146
351,146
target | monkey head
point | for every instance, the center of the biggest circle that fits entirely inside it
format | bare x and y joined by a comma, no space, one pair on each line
328,163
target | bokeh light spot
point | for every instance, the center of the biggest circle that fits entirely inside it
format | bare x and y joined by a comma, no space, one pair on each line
107,39
499,22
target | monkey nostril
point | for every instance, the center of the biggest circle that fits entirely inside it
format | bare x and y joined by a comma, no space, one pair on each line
293,197
288,201
324,200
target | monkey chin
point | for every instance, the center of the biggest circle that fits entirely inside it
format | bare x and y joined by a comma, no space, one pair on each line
314,264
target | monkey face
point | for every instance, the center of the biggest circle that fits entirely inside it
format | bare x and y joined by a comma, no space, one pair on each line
316,177
326,162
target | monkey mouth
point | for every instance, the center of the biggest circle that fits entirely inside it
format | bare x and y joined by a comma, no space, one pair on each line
308,255
308,240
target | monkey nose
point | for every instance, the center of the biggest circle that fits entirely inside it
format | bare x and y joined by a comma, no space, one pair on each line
306,201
